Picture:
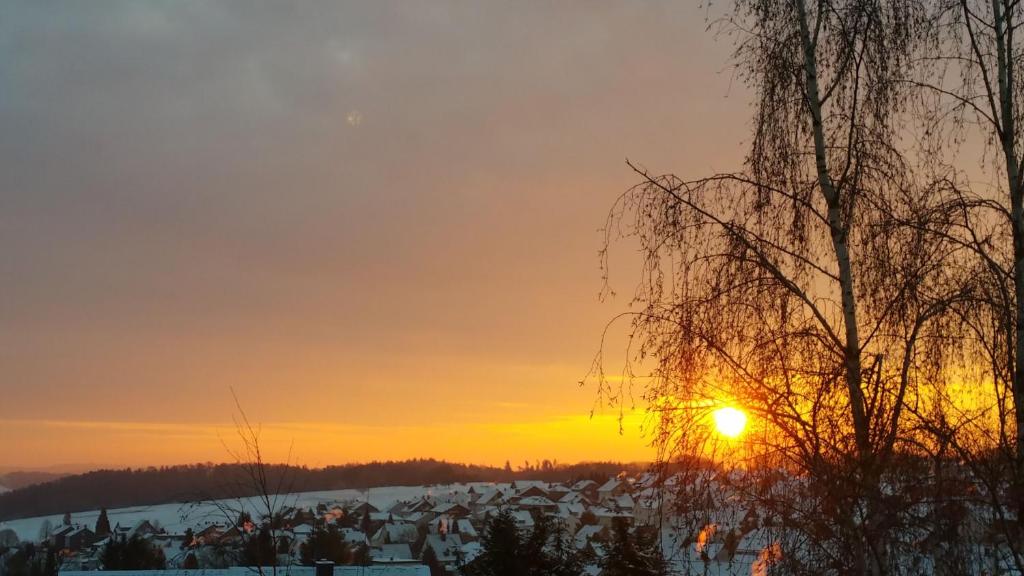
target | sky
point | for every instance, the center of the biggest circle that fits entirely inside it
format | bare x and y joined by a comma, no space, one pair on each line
376,222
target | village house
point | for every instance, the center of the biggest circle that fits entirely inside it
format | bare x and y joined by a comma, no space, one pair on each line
526,489
465,529
487,498
79,538
57,536
523,519
447,547
453,510
449,519
405,569
606,517
209,535
613,488
540,504
353,536
395,533
587,533
391,553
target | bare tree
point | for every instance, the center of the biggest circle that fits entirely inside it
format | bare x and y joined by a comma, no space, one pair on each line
811,287
253,506
969,89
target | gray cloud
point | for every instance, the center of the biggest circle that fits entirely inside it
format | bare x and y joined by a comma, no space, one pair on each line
183,189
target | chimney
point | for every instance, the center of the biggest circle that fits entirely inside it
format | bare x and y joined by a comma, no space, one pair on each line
324,568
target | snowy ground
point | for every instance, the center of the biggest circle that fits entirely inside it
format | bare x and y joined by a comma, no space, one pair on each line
176,518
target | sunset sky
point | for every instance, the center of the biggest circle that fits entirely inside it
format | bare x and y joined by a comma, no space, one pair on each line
378,222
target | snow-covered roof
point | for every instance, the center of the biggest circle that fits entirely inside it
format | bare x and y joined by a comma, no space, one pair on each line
380,570
522,518
447,547
391,552
584,534
624,501
583,485
606,513
522,485
422,505
397,532
421,517
142,527
570,497
62,530
574,509
465,527
449,507
489,496
398,507
470,551
353,536
538,501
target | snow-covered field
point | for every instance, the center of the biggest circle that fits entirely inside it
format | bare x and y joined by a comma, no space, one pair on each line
176,518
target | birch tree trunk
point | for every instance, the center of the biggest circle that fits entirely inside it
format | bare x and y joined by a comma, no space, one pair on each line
1003,33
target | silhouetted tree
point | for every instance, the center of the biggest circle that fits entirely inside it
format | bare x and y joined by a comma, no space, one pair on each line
243,518
260,551
44,529
283,545
365,523
133,553
258,486
794,287
630,554
430,559
421,538
325,543
970,75
16,563
502,549
546,551
8,539
51,563
361,556
30,560
568,561
102,524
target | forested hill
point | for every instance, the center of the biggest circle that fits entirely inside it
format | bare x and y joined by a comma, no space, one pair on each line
20,479
149,486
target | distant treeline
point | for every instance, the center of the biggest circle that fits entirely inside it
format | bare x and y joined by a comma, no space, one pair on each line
20,479
170,484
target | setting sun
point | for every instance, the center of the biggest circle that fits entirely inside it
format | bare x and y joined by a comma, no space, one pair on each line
729,421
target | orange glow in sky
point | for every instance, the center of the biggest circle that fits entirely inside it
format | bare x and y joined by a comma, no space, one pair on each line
380,227
87,444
